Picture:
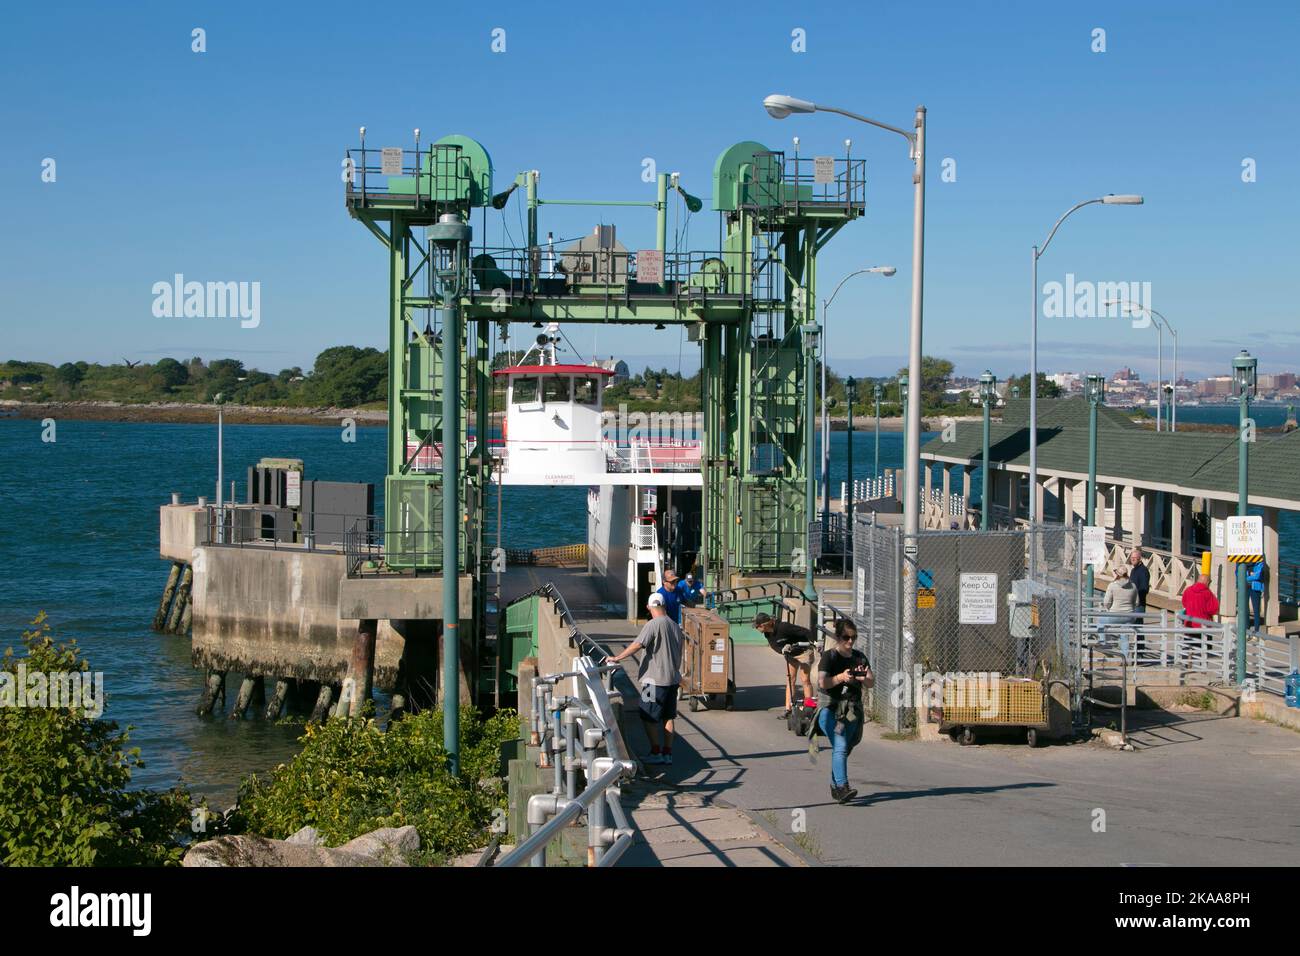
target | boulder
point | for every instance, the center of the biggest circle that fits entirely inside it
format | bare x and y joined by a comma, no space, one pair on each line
387,844
307,836
259,851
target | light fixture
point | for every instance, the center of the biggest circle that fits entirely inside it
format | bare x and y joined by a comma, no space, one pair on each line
779,106
1121,200
1243,372
988,387
1096,388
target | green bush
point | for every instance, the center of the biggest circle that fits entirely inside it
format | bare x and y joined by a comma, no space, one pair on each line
64,776
351,778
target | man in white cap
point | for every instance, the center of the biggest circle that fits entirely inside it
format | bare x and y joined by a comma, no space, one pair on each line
659,675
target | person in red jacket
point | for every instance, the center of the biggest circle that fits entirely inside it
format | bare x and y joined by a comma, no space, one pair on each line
1199,601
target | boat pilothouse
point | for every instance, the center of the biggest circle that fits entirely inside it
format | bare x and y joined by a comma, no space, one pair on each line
644,480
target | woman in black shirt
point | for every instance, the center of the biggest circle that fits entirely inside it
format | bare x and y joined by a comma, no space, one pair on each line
845,673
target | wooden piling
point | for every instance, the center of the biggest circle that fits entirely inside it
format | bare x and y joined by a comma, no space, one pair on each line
160,619
322,708
361,666
214,687
278,696
249,688
181,601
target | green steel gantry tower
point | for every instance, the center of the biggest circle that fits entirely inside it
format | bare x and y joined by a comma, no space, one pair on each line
749,304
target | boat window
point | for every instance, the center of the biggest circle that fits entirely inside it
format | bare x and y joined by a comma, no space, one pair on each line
555,388
585,390
525,391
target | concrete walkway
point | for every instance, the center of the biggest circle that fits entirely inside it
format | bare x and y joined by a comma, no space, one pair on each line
1201,790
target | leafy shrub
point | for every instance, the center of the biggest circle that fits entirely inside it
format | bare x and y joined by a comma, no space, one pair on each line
351,778
64,775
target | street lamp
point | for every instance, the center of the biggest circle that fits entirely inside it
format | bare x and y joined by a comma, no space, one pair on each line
220,399
1109,200
1243,377
779,106
850,395
1095,391
1015,391
826,421
1160,322
988,395
877,392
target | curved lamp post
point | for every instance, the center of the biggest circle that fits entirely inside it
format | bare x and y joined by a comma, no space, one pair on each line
1160,323
826,421
779,106
1108,200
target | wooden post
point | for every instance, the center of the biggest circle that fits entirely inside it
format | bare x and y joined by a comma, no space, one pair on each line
360,674
248,689
160,618
214,687
182,599
276,704
322,708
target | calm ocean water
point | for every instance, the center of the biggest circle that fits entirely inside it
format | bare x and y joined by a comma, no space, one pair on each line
80,541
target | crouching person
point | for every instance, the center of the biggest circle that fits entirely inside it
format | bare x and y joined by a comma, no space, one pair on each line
845,674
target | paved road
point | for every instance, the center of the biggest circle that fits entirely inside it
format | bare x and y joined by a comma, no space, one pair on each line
1200,791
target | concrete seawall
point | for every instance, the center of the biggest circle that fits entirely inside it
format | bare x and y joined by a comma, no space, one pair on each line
276,612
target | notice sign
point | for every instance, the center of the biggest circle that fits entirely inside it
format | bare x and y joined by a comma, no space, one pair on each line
823,170
390,160
649,265
925,598
1094,545
293,489
979,599
1244,536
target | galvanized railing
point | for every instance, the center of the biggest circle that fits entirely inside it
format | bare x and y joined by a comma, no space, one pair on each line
580,740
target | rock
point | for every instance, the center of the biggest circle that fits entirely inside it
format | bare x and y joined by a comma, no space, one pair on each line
259,851
307,836
387,844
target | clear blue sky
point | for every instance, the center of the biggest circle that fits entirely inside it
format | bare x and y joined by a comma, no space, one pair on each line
225,165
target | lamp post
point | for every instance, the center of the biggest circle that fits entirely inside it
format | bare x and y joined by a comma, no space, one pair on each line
988,395
1096,393
1015,391
220,399
851,396
1243,377
877,391
810,333
780,106
1160,322
1109,200
826,421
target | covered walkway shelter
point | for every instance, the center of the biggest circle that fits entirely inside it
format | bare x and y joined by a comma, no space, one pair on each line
1167,492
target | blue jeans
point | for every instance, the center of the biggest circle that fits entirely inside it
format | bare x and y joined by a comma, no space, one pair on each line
841,744
1254,618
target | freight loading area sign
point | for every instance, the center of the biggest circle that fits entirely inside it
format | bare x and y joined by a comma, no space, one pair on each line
1244,538
979,599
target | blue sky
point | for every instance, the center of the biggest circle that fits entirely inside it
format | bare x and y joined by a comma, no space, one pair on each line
224,165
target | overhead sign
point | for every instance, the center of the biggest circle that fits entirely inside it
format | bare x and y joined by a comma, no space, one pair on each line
390,158
1244,538
1094,545
823,170
979,599
649,265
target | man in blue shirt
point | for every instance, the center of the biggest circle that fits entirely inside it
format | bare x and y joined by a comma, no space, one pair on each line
676,593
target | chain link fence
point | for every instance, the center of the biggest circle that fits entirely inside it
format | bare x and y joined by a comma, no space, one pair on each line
965,605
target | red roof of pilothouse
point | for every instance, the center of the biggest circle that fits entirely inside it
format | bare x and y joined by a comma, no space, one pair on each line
554,370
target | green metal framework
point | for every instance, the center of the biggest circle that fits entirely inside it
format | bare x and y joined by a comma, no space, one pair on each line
750,305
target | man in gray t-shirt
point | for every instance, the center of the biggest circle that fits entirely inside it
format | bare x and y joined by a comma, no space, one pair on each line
659,674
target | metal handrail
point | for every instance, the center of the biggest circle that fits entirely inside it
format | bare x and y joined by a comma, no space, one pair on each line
570,731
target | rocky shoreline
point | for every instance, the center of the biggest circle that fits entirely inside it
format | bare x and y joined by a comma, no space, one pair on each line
187,413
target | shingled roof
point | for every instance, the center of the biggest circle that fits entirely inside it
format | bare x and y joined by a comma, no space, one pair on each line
1193,462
